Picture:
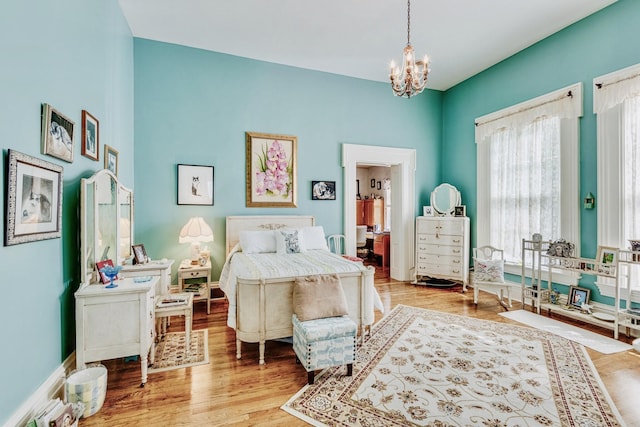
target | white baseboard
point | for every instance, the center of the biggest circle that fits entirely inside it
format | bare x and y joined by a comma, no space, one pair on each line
51,388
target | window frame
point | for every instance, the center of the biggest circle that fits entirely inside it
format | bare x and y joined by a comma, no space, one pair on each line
570,171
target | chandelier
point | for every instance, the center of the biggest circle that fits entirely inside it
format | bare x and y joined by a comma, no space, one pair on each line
412,78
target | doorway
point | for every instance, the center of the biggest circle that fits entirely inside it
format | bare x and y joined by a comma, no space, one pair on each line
402,163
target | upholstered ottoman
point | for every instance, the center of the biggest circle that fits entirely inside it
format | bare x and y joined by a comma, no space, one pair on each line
322,343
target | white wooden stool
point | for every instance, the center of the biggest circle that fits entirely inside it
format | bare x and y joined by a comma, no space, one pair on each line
182,307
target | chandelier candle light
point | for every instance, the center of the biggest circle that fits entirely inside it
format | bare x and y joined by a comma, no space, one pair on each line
412,78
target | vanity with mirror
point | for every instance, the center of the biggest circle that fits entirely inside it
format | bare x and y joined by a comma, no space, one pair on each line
442,241
118,321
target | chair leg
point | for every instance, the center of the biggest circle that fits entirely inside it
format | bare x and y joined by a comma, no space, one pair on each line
311,377
349,369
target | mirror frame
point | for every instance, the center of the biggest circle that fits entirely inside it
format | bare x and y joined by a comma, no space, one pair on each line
454,195
90,218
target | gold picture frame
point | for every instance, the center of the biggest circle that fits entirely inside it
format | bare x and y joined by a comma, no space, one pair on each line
271,170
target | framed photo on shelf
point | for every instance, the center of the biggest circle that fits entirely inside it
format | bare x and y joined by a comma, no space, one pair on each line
195,185
427,211
139,254
323,190
271,174
578,296
99,266
460,210
57,134
607,255
33,199
90,136
111,159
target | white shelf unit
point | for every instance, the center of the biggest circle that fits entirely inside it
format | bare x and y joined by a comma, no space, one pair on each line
627,260
537,291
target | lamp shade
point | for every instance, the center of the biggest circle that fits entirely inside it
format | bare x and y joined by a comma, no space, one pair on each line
196,230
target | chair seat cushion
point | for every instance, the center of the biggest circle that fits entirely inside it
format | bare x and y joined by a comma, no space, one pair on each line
488,270
324,329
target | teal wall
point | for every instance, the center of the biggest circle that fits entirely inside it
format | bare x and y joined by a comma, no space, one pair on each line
73,55
599,44
194,106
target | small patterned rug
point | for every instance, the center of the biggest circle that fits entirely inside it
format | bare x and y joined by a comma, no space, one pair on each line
171,354
427,368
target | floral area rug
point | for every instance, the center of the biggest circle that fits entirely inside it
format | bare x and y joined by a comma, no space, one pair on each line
171,351
427,368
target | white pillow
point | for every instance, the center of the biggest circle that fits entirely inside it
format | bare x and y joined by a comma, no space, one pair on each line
257,241
486,270
313,238
289,241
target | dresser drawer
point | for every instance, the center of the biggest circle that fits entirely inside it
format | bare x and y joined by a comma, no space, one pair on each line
441,227
434,250
441,239
440,270
434,259
193,274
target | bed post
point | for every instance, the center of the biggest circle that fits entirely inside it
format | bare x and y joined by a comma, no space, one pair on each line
263,320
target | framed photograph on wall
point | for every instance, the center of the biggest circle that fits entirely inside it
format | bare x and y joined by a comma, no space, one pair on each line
323,190
33,199
90,136
271,174
578,296
139,254
57,134
195,185
111,159
373,183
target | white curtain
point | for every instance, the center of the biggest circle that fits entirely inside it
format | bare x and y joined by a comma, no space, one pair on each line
631,178
525,184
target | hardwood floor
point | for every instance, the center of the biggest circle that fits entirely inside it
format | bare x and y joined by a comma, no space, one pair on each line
240,392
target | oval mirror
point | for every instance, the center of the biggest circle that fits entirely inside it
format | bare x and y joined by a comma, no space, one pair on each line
444,198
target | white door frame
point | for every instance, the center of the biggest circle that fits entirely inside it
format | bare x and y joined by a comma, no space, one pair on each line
403,163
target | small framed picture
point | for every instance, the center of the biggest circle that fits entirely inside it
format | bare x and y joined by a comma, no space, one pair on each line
33,199
139,254
57,134
427,211
373,183
578,296
607,255
323,190
99,266
111,159
195,185
379,185
90,135
460,210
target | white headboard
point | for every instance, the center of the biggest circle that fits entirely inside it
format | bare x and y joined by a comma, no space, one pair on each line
236,224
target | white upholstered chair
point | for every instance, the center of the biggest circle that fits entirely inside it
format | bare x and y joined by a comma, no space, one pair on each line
488,273
336,243
361,241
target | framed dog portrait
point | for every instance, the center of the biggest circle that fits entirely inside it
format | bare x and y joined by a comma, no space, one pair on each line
195,185
34,199
90,136
57,134
323,190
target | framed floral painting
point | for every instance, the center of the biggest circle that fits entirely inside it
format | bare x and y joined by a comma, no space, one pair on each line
271,170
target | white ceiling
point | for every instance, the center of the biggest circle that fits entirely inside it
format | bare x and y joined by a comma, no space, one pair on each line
359,38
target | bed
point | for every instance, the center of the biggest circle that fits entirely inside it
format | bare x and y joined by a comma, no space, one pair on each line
258,282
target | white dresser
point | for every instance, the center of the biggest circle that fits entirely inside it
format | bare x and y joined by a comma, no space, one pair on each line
442,249
116,322
160,268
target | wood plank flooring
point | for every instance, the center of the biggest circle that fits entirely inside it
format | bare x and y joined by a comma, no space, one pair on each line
240,392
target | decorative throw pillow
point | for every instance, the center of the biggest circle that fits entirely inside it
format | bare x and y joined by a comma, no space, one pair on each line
289,242
257,241
319,296
314,238
486,270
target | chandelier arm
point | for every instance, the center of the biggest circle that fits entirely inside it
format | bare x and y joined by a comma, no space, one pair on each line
408,22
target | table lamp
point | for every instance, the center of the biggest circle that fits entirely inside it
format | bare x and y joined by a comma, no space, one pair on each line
195,231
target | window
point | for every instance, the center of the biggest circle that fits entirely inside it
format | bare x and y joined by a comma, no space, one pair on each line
528,174
616,101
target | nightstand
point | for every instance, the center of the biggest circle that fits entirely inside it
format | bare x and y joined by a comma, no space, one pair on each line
201,288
